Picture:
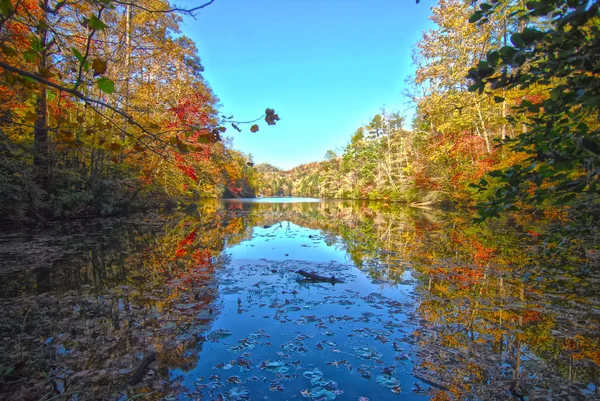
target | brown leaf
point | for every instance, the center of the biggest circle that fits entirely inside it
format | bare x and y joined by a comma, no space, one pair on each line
271,118
254,128
44,72
99,67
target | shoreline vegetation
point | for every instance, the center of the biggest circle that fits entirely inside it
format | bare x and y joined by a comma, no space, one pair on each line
500,123
105,111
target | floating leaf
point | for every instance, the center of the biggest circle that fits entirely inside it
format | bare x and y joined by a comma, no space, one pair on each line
388,381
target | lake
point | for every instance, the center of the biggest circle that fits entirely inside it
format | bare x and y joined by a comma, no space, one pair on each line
425,306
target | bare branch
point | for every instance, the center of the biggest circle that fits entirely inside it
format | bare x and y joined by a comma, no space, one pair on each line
189,11
227,121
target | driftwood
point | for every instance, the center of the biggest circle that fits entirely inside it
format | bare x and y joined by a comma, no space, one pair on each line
431,383
141,369
319,279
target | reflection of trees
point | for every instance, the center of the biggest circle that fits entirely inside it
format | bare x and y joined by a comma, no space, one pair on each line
494,322
140,286
490,331
375,235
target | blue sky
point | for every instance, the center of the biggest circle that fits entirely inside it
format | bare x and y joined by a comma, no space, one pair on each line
325,66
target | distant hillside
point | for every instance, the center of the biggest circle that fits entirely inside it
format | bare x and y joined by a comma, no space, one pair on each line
267,168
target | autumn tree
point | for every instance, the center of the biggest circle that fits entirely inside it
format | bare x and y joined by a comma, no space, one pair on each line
106,98
555,47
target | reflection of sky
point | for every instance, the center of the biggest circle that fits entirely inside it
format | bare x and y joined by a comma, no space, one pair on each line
260,292
272,200
298,243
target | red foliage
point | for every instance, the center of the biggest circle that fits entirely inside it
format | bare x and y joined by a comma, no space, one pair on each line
191,111
182,164
535,99
184,244
235,191
531,316
424,182
202,257
480,253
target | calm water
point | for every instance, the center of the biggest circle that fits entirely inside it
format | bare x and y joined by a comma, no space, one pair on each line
430,307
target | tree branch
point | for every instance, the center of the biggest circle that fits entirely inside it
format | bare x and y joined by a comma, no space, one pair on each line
189,11
78,95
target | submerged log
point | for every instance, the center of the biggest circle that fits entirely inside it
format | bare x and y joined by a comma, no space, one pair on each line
431,383
319,279
141,369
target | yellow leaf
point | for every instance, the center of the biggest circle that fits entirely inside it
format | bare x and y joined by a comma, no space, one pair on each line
30,116
66,136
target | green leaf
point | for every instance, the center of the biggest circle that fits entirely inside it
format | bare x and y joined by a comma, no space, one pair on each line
8,51
484,69
564,199
517,40
476,16
30,55
493,58
106,85
556,92
6,7
35,43
476,86
530,35
96,23
498,99
507,53
591,145
183,148
77,54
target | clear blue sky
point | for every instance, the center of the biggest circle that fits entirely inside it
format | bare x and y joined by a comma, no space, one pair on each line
325,66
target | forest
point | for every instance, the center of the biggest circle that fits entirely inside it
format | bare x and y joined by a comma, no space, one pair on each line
452,256
105,110
508,113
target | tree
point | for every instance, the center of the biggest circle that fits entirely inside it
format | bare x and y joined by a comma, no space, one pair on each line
102,94
556,47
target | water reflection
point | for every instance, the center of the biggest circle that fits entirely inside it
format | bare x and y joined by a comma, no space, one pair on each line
431,307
